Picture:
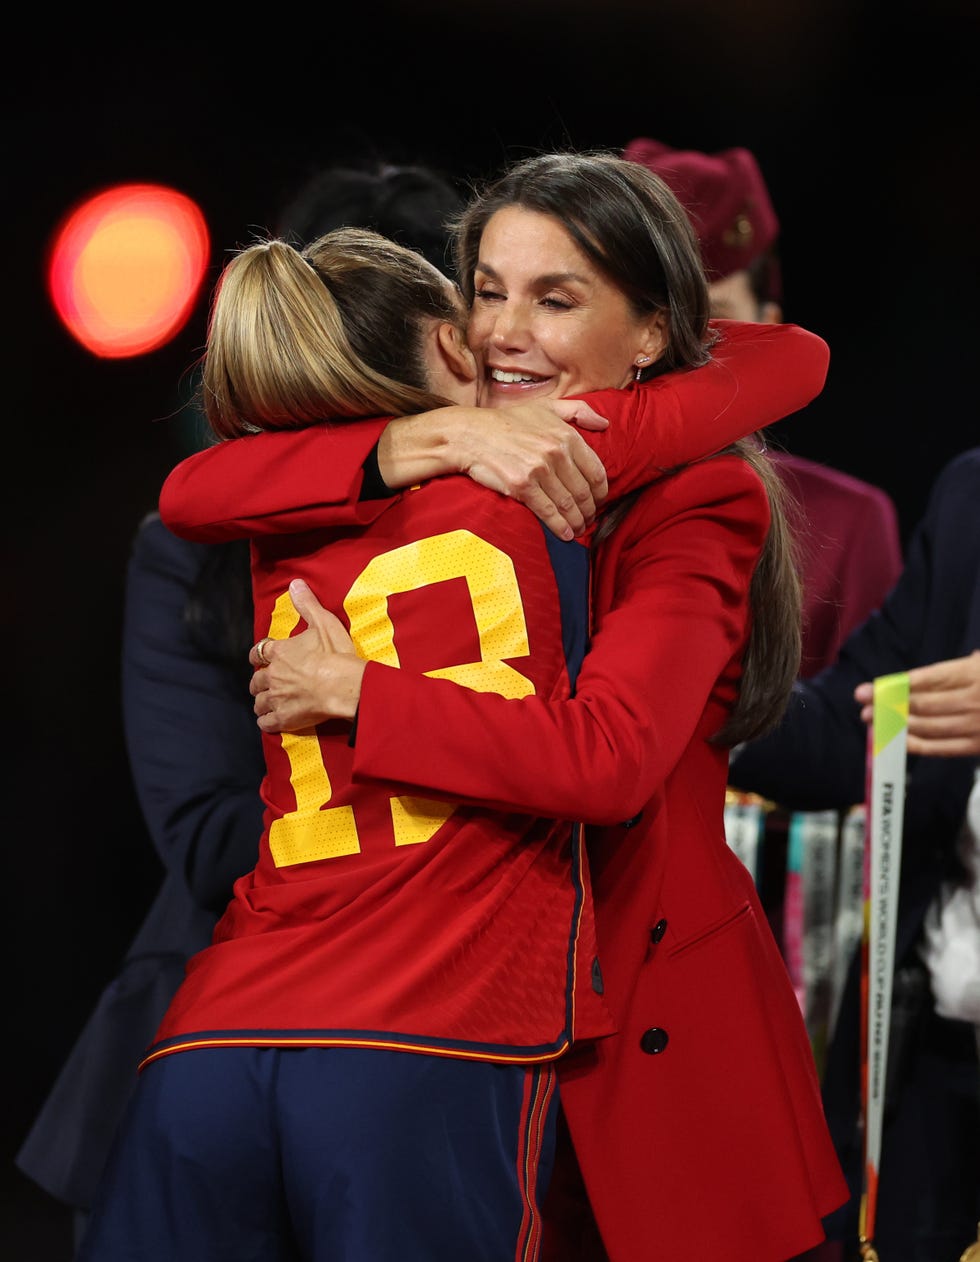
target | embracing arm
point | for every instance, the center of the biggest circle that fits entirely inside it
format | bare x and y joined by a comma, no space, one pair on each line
640,695
758,374
194,751
301,479
277,479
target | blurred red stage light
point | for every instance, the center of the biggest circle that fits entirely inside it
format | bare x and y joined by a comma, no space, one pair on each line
126,266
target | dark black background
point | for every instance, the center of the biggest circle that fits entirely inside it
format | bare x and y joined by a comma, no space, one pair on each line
863,117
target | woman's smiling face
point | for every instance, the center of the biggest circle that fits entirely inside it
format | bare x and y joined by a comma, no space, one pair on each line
545,322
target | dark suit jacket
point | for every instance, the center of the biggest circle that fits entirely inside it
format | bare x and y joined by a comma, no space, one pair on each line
816,760
196,757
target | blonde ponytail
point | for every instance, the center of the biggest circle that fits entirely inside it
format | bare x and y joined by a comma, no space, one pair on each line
298,338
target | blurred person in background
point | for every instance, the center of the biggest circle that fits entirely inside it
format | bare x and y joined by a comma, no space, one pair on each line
848,532
929,625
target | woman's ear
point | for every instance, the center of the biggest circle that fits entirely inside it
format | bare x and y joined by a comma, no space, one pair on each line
457,356
450,364
654,340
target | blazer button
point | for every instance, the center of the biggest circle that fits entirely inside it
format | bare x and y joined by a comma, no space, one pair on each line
658,931
653,1041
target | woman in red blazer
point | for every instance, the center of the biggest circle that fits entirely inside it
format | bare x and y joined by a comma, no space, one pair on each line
698,1125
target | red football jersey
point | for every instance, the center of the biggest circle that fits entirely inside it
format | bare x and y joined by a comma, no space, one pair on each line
380,919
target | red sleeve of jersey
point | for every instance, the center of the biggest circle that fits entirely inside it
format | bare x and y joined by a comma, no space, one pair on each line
272,483
661,665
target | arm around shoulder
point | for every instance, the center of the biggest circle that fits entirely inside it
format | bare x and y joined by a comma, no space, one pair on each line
272,483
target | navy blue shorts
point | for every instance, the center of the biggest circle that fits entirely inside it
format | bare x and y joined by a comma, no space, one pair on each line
327,1155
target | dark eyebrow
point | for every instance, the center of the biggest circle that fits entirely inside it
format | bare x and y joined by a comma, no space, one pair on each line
547,281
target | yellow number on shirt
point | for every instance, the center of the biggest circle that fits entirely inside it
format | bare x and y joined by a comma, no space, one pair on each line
314,831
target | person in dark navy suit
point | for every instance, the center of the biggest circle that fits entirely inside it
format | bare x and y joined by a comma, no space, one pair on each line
929,1195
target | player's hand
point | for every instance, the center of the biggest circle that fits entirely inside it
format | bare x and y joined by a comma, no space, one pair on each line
309,677
944,707
533,452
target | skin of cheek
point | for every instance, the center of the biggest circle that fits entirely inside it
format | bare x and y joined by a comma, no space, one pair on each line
577,359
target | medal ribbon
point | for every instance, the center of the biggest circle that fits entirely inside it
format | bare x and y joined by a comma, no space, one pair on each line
883,859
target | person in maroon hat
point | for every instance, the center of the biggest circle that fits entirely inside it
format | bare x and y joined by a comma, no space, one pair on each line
851,551
847,529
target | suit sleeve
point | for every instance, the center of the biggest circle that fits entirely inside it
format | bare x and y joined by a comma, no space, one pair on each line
815,759
649,681
194,750
302,479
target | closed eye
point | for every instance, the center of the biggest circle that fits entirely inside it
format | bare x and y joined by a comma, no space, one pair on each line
558,304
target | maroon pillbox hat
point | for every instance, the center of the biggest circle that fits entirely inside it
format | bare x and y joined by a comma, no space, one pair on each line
725,195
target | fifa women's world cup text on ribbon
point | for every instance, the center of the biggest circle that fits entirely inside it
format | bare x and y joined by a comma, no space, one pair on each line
883,859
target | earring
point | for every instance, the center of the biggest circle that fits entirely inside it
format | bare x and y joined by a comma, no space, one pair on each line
641,361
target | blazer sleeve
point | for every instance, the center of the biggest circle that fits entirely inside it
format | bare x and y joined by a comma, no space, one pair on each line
649,681
302,479
194,749
758,374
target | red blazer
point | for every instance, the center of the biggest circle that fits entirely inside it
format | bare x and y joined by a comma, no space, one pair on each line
698,1126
